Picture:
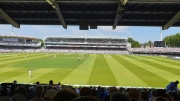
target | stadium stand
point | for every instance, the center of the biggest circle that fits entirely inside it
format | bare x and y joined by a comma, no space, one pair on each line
12,44
156,51
86,45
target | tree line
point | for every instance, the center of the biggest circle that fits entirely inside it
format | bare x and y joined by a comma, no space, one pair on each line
170,41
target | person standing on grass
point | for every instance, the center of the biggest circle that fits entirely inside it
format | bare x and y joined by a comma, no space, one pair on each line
30,72
172,87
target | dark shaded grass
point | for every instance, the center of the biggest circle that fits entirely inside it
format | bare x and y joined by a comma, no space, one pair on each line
101,73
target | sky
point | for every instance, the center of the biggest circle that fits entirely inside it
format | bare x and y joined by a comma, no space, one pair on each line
141,34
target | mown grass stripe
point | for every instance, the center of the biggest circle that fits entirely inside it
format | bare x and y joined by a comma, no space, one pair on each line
5,58
8,69
12,73
18,60
162,73
24,77
166,60
146,76
124,77
160,66
162,62
101,73
82,73
59,74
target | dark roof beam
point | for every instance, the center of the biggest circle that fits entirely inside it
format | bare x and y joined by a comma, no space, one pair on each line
119,14
58,12
8,19
172,21
55,5
22,1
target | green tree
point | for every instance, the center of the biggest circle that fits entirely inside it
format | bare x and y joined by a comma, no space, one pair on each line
172,40
134,44
42,44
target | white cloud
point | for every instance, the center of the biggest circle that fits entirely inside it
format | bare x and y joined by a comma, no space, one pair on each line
109,28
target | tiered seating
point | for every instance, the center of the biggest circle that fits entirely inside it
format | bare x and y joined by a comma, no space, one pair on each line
155,50
86,45
58,92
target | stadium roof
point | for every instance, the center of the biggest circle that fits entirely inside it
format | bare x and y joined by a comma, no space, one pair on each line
89,37
91,13
23,37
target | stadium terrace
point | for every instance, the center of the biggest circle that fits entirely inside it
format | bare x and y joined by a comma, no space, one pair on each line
95,64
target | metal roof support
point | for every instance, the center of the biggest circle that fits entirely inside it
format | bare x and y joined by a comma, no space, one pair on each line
54,4
172,21
8,19
118,15
123,2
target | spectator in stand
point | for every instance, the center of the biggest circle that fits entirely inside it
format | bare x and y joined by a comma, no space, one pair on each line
37,83
119,97
94,93
102,93
50,94
153,95
20,94
65,94
54,88
134,94
85,91
15,82
144,96
39,90
160,98
58,85
177,97
172,87
51,84
111,92
86,98
162,92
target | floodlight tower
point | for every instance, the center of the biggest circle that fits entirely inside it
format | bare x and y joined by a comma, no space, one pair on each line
12,31
85,39
160,33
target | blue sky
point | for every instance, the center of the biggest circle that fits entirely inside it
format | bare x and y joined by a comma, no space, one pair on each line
141,34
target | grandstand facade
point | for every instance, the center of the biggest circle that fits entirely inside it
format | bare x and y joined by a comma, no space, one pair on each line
18,43
88,45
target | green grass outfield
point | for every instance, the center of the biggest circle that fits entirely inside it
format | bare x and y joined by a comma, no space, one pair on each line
92,69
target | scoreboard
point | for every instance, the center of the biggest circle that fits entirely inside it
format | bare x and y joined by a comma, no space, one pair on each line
159,44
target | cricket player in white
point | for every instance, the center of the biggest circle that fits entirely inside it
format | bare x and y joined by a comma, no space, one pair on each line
30,72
